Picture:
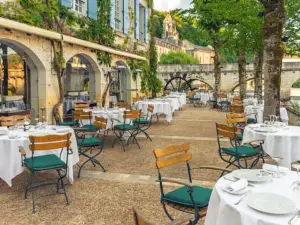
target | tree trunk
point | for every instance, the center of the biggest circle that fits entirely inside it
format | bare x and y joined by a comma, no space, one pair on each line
242,71
217,72
5,70
275,16
58,61
110,80
258,66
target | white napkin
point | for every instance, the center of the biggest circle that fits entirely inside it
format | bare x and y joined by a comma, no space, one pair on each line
273,168
237,185
3,128
63,130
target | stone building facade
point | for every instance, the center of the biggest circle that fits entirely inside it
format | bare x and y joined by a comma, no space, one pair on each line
170,42
34,47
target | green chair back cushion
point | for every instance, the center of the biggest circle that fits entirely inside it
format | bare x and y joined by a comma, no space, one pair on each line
44,162
125,127
242,151
251,120
89,142
69,123
181,196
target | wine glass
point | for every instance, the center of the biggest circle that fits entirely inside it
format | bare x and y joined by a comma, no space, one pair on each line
296,184
277,160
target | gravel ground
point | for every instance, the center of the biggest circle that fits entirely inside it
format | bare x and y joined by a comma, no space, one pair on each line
96,201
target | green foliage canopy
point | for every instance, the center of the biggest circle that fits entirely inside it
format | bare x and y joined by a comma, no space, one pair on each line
178,57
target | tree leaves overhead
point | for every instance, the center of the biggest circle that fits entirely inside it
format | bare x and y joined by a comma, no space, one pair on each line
178,58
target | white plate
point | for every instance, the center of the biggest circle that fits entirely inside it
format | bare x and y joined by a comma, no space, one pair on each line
3,132
251,175
271,203
239,192
265,130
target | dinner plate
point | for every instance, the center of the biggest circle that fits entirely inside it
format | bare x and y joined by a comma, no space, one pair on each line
265,130
271,203
252,175
3,132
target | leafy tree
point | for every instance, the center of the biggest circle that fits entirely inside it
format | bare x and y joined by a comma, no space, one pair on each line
178,57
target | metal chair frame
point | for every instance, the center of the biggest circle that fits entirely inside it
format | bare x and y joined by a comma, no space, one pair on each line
144,127
225,131
83,150
45,143
164,158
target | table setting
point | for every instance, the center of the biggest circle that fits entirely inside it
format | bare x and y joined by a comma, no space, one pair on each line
267,196
15,136
280,140
114,115
160,107
204,97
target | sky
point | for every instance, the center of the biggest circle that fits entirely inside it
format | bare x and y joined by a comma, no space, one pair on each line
167,5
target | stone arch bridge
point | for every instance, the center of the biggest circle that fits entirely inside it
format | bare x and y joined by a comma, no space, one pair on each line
229,75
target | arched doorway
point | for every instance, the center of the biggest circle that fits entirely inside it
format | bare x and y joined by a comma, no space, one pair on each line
120,88
20,71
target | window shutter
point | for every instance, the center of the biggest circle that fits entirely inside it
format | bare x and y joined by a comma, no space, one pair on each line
112,14
125,17
66,3
92,9
146,25
137,19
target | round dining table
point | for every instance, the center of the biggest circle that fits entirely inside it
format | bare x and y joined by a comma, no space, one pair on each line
281,142
223,211
10,157
113,116
159,107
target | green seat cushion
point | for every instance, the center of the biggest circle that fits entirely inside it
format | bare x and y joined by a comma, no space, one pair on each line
242,151
212,100
69,123
90,127
44,162
141,121
251,120
89,142
224,102
125,127
195,99
181,196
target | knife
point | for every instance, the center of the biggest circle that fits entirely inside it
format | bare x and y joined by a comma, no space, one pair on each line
294,218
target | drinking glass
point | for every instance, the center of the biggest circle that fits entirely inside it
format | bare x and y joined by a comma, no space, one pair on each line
296,184
277,174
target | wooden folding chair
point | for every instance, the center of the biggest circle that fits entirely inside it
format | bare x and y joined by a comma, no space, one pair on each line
238,153
7,121
80,106
236,108
89,143
133,130
145,122
188,198
36,164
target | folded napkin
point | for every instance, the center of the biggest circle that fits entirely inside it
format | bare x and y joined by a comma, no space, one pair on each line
63,130
273,168
237,185
3,128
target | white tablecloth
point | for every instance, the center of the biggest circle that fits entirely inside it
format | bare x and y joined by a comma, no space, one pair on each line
10,157
284,143
222,211
159,107
173,101
259,110
181,97
107,114
250,101
204,97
